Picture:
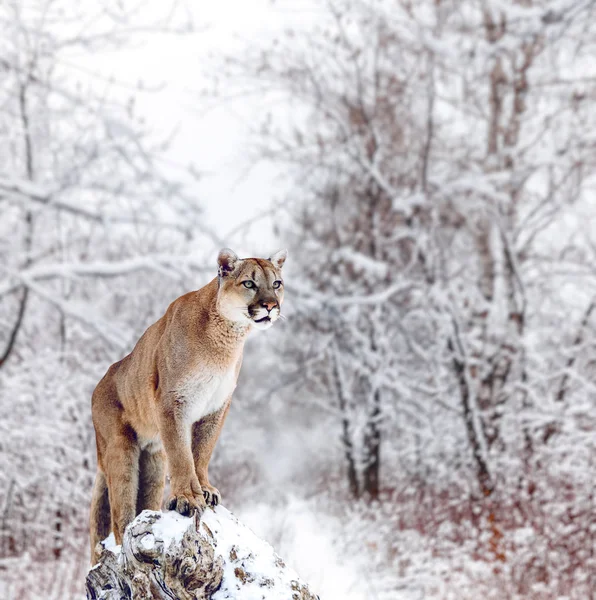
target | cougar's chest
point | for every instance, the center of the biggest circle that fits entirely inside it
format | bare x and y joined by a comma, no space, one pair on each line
204,394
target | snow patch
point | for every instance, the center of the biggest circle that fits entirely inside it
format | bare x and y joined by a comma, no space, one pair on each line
110,544
148,542
252,570
171,527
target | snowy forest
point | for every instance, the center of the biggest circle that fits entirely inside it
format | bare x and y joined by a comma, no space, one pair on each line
422,424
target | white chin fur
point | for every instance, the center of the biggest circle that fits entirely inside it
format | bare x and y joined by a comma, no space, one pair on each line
235,314
273,315
262,326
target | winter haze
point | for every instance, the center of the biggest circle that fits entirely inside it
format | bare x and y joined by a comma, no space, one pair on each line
421,425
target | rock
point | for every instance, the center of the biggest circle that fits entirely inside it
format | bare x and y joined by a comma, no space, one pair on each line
166,555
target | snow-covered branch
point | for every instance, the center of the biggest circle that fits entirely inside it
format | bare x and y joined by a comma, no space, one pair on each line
25,193
169,265
109,332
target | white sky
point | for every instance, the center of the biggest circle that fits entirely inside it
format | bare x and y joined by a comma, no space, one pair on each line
215,141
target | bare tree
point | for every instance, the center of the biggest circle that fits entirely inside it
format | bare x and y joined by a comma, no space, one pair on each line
440,157
62,191
89,214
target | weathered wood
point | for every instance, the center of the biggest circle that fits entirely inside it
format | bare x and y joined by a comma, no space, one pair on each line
149,567
166,556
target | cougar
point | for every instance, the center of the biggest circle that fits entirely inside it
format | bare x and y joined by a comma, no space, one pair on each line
169,398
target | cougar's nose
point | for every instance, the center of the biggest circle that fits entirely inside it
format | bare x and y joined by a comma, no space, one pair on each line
268,305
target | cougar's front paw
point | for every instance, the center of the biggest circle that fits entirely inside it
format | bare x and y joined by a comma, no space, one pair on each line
211,495
187,500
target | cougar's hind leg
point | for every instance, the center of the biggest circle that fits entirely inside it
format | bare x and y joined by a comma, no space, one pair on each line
122,472
99,522
152,473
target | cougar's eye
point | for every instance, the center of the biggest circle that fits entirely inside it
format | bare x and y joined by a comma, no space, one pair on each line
276,284
249,284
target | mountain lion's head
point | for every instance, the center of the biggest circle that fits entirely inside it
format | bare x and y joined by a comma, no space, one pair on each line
251,290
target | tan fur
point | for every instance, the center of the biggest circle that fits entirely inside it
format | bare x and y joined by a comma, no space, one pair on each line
168,399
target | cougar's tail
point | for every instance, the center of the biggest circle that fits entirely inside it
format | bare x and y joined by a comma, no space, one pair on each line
99,521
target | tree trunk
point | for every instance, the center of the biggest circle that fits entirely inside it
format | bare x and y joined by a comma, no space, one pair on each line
372,449
472,430
28,242
346,436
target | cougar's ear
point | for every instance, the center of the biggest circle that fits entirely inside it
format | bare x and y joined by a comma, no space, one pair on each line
279,258
226,261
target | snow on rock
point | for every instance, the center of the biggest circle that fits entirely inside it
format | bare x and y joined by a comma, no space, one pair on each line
166,555
110,544
250,564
